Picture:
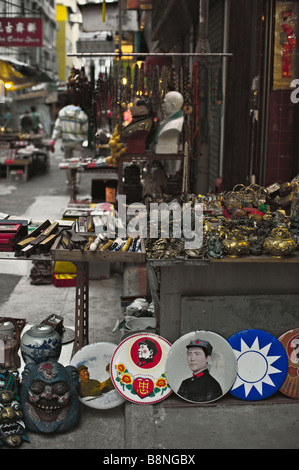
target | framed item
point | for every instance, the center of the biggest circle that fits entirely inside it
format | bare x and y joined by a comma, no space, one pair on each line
286,45
96,389
138,368
290,342
262,364
201,367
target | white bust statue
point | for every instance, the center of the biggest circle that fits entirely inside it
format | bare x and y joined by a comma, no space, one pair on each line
168,133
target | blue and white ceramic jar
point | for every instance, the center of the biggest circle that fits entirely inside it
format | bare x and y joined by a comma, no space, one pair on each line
40,343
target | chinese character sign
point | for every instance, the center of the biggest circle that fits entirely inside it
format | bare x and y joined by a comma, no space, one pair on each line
26,32
286,49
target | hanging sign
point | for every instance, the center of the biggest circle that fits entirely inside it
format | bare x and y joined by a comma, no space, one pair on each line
92,18
93,45
26,32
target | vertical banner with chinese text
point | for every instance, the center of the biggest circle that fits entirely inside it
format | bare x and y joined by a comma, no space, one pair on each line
286,46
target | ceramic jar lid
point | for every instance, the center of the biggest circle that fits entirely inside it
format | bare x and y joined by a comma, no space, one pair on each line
41,330
262,364
138,368
96,389
7,329
290,342
201,367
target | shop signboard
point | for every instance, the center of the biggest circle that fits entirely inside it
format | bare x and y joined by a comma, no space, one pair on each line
21,32
93,19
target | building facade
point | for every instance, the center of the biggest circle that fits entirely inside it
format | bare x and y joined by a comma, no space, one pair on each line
251,136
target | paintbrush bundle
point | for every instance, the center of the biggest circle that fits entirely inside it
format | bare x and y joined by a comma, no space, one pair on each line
39,240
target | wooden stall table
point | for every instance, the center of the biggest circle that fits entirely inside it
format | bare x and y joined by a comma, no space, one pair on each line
86,170
225,295
81,260
23,164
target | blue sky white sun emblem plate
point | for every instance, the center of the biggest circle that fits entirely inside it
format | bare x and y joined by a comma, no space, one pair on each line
262,364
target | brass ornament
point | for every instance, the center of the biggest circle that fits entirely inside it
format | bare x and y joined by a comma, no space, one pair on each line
279,243
236,244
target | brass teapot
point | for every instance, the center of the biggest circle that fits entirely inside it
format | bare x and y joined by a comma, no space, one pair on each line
236,244
279,243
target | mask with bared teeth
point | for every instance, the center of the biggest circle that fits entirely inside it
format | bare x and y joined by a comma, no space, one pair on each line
49,396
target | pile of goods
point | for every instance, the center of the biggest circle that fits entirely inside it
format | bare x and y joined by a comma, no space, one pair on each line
116,146
247,221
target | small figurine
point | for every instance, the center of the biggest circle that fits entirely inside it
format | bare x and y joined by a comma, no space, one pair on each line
167,136
12,426
294,226
214,247
256,248
49,397
137,133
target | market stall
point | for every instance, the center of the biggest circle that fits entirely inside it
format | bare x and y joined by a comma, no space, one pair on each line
23,155
222,268
235,293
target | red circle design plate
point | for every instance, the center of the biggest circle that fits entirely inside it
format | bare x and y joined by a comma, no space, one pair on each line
138,368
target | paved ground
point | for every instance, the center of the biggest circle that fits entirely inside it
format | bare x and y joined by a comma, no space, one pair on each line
168,426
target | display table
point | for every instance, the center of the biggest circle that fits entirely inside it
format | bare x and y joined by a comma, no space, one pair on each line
102,171
26,154
126,158
225,295
221,295
23,164
81,260
142,157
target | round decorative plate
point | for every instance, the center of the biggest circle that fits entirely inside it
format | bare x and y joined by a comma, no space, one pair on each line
68,335
201,367
138,368
290,342
262,364
96,389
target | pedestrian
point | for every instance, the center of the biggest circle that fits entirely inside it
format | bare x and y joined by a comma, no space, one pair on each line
36,124
72,126
7,117
26,122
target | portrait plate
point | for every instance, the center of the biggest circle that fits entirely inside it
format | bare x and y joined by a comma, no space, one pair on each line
201,367
96,388
138,368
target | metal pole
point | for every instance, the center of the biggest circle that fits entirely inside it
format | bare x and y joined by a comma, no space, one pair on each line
202,177
119,62
265,93
224,80
119,27
146,54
